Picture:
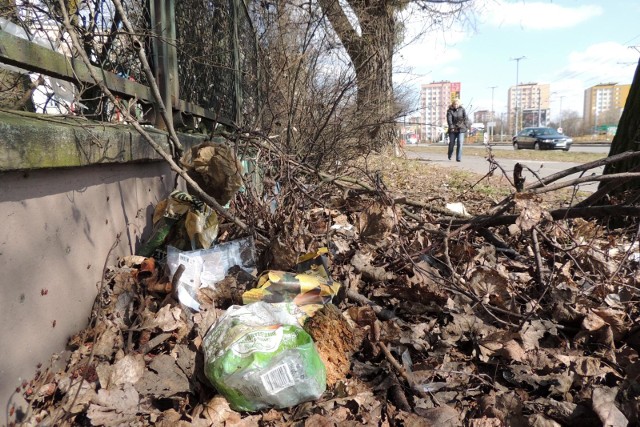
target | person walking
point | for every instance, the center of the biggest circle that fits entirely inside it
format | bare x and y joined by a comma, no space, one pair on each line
458,125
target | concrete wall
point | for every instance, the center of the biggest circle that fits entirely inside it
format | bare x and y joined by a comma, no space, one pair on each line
66,192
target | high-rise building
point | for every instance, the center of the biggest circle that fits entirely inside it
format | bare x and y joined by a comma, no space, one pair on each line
528,105
603,104
435,98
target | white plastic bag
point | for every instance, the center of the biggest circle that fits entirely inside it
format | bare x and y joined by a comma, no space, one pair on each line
206,267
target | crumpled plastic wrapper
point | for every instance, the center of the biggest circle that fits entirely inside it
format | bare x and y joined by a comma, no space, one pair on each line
310,288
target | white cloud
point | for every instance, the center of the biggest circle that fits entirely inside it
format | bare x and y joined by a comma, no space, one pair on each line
430,54
607,62
536,15
424,58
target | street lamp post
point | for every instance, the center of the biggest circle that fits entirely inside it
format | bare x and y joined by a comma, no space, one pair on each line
518,59
539,106
491,131
560,125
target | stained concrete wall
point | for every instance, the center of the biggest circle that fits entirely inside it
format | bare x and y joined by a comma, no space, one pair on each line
61,208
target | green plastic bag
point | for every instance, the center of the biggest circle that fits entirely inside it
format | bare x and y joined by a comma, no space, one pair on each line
258,356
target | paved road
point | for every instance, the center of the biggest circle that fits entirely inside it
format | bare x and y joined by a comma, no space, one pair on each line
578,148
479,165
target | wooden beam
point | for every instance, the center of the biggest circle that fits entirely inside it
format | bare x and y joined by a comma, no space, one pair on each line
32,57
35,58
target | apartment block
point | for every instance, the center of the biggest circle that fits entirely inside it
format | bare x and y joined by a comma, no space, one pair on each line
528,105
603,104
435,98
482,116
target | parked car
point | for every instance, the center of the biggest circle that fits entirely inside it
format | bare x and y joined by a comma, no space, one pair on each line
540,138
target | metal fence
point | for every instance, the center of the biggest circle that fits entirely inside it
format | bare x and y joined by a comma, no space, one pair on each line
203,54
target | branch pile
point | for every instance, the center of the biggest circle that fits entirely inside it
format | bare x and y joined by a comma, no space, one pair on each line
524,315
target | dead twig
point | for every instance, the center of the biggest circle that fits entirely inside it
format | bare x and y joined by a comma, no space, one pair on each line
590,178
557,214
537,257
403,373
154,342
381,312
536,304
584,167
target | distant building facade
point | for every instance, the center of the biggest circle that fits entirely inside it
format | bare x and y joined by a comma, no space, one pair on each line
435,98
528,105
482,116
603,104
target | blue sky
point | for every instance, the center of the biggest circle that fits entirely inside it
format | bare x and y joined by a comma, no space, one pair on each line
570,44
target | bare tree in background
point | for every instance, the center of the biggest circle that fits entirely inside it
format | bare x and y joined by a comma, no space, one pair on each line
572,123
369,32
308,87
327,72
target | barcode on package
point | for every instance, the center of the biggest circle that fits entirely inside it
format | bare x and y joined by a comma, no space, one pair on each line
277,378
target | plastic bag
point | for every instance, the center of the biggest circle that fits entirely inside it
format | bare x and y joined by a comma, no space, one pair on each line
257,356
206,267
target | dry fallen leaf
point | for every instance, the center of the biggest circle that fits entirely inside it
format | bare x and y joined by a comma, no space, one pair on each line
615,318
531,333
376,224
490,285
442,416
163,378
168,318
362,263
217,412
604,404
485,422
531,212
114,407
539,420
129,370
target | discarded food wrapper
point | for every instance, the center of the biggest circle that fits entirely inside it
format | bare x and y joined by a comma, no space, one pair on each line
310,288
206,267
257,356
179,214
457,208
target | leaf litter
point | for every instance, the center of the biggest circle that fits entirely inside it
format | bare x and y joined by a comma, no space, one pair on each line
533,322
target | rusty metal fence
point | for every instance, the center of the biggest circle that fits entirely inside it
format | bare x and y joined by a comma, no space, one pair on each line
203,54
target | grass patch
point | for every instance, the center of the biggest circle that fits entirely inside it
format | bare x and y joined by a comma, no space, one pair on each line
461,181
440,184
557,156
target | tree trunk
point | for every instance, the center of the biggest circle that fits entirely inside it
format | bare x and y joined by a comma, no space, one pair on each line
373,66
627,138
371,54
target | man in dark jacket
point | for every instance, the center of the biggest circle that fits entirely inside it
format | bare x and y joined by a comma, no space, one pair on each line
457,121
